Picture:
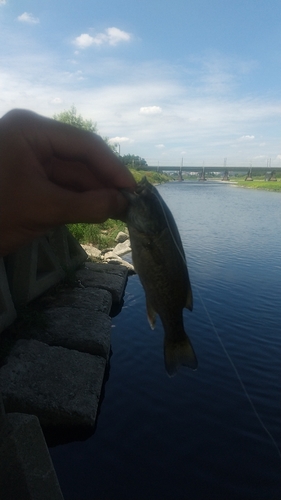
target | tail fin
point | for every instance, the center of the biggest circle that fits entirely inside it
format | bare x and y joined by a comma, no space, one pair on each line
179,353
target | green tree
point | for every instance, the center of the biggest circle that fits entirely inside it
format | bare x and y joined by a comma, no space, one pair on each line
133,161
78,121
70,116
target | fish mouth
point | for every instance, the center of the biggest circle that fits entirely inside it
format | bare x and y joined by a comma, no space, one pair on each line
130,197
140,188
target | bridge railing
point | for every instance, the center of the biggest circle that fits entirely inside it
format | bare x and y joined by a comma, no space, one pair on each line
33,269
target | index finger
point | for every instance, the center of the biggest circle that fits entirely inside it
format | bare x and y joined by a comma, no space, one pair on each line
70,143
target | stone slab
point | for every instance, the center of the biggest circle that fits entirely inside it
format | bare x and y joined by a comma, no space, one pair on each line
58,385
26,472
82,330
92,299
107,277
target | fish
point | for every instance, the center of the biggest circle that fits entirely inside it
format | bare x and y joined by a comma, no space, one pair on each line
159,260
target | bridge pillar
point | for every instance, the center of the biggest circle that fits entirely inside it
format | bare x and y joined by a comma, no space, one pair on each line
225,176
202,176
249,176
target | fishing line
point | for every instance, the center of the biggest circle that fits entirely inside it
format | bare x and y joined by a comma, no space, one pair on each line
221,343
239,378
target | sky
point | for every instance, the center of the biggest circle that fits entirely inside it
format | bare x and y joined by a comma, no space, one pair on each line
184,81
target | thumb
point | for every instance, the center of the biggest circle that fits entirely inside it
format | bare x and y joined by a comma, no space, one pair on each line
89,206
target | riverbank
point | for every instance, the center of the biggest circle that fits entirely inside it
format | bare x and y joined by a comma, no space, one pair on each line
53,376
259,183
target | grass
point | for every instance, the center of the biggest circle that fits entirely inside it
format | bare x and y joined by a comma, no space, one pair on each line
100,235
259,183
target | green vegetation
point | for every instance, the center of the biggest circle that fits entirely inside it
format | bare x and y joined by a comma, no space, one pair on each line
258,182
134,162
152,177
71,118
100,235
75,120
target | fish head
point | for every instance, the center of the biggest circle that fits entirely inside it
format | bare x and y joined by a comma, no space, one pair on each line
145,213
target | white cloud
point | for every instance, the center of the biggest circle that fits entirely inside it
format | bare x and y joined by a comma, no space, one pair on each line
115,36
119,139
56,100
150,110
246,138
2,2
111,36
160,146
83,41
27,17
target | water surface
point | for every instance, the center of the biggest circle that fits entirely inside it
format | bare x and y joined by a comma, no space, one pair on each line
196,436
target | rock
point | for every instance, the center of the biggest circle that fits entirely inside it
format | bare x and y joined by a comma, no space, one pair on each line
121,237
123,248
60,386
106,277
27,472
111,256
77,319
116,260
92,251
91,299
124,263
83,331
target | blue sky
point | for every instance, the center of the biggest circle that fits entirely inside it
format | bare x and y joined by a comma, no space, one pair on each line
191,79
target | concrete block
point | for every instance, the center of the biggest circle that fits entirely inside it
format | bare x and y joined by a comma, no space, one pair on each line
32,270
92,299
7,309
26,472
60,386
66,247
107,277
82,330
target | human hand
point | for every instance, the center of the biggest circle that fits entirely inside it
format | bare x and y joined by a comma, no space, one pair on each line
53,174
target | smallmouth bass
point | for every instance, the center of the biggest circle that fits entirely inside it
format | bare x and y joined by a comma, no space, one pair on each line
159,260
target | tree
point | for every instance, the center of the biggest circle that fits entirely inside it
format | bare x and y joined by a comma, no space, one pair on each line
134,161
78,121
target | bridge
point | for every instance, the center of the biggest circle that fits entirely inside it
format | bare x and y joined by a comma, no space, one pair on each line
212,168
226,172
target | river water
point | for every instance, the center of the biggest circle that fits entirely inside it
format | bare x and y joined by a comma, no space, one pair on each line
213,433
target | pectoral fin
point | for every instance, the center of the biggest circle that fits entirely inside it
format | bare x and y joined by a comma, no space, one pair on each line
151,315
